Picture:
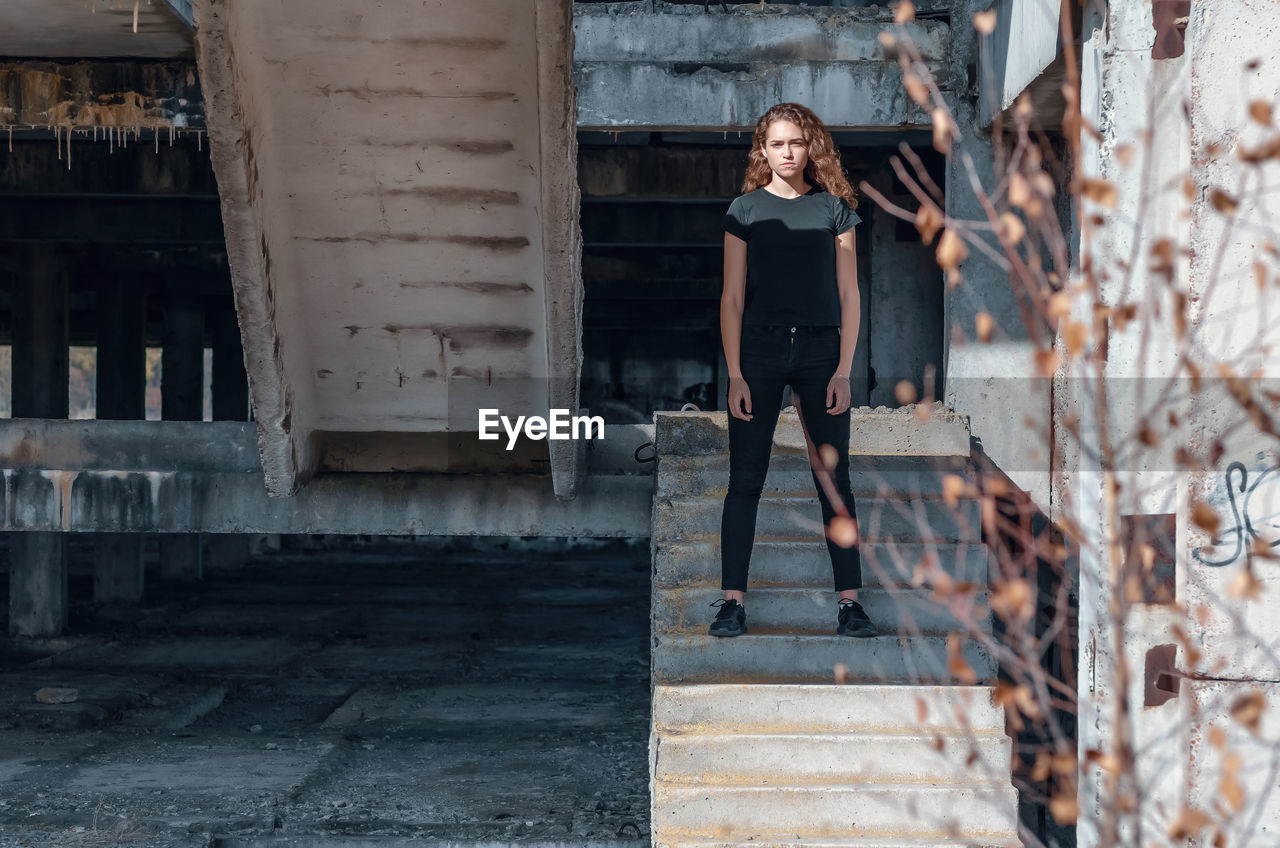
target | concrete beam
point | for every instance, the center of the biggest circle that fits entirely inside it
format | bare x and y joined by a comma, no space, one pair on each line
679,67
174,477
284,459
40,444
561,234
87,94
354,503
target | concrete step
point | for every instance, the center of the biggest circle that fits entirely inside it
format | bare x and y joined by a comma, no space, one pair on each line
814,610
872,432
883,476
765,812
829,759
807,563
879,519
782,657
825,708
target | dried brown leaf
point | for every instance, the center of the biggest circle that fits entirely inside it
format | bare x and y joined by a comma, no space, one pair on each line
1188,823
1076,336
843,531
1043,183
1229,786
956,664
985,22
941,131
1012,228
1060,305
1163,253
1223,202
1101,192
1013,600
1245,585
951,250
1019,191
983,324
1046,362
1205,517
1248,710
1217,737
928,221
1064,808
1269,149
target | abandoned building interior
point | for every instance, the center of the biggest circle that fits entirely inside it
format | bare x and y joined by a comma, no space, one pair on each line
261,265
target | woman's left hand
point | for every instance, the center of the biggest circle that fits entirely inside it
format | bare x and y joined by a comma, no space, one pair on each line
838,395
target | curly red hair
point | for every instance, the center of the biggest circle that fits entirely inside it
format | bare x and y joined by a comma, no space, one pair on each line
823,168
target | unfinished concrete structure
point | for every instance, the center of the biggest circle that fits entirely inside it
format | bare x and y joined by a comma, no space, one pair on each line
397,200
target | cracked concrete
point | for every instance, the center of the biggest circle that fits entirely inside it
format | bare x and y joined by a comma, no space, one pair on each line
375,695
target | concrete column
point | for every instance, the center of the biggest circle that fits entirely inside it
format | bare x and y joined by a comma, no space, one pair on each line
117,567
230,382
226,550
122,367
38,561
122,376
40,352
182,361
37,584
181,399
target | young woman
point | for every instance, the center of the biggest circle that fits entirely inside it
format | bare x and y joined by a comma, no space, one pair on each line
789,316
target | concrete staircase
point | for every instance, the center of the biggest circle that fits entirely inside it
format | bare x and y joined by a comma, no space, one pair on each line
752,742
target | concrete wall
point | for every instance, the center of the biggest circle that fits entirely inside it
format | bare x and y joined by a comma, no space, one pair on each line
680,67
1168,125
996,384
395,181
1025,42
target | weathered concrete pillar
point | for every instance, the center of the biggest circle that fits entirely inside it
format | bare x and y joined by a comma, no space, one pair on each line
122,352
182,399
226,550
38,561
37,584
182,361
40,352
230,383
122,377
117,567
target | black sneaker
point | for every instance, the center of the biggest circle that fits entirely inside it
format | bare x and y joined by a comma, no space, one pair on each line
854,621
731,620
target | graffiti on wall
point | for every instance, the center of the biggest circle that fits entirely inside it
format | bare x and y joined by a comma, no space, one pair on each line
1255,514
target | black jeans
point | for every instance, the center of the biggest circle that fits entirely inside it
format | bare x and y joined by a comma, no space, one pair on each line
804,358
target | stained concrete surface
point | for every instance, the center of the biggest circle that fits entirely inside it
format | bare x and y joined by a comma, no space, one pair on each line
380,694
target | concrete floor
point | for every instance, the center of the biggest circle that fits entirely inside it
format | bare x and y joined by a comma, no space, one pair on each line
380,694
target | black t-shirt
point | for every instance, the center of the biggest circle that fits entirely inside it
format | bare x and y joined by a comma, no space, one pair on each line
791,255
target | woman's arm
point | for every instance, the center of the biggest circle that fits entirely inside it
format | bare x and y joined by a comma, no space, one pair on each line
838,395
731,303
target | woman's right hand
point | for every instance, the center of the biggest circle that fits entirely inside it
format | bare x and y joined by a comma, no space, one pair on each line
739,398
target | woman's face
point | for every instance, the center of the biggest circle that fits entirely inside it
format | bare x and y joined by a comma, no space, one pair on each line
786,149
